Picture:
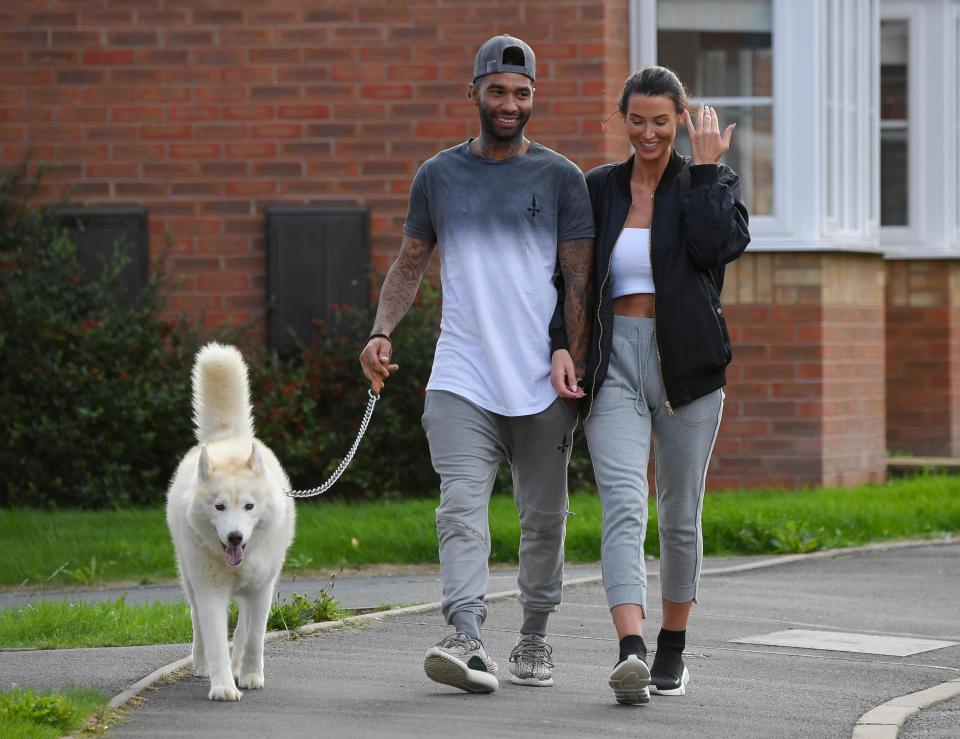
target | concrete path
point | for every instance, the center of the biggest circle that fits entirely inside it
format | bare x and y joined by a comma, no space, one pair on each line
368,680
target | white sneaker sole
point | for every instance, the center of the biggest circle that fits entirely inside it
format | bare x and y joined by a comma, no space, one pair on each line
681,690
630,680
530,681
448,670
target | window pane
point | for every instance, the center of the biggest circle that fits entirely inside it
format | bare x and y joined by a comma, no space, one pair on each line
718,49
894,109
725,50
712,64
893,177
750,155
893,70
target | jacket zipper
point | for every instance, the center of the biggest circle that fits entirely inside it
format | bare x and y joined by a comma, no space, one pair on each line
593,385
656,344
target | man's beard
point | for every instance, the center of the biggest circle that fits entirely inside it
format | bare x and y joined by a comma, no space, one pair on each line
488,123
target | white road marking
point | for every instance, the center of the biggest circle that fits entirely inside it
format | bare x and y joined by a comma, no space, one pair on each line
844,641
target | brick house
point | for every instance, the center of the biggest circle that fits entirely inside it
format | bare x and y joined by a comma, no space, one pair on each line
844,312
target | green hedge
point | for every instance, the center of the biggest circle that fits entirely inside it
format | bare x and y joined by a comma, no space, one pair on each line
92,391
95,394
308,407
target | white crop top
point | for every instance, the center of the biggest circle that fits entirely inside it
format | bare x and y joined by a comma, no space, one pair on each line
630,271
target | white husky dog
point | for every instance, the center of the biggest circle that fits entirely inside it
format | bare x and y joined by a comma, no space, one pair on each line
231,524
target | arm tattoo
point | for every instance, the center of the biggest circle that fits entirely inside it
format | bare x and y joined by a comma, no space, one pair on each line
576,265
400,286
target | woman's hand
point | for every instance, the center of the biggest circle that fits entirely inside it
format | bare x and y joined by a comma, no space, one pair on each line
706,143
563,376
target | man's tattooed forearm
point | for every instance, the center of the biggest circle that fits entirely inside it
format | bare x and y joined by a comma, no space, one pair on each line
401,284
576,265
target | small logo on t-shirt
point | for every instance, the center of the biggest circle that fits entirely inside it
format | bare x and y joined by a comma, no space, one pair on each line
533,209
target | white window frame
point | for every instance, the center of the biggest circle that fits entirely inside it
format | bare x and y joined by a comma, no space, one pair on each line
933,150
848,123
797,222
954,86
643,24
898,124
897,238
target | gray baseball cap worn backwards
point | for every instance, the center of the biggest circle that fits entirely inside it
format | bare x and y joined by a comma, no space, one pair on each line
504,54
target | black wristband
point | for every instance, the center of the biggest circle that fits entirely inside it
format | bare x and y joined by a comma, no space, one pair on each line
380,336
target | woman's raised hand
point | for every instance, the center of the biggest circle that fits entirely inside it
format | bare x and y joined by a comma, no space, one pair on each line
706,143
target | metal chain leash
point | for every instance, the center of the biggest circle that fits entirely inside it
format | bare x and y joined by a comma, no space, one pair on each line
321,489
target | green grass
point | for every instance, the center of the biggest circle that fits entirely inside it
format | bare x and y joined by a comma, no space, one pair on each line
62,625
83,547
28,715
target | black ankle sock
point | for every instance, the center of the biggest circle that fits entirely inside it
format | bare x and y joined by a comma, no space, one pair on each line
672,639
632,644
668,661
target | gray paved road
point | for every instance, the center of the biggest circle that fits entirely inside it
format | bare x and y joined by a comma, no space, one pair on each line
368,681
354,589
938,722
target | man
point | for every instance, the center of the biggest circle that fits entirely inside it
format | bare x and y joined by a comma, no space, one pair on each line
503,212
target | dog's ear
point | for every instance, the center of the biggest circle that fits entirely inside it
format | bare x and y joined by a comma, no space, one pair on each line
204,468
255,462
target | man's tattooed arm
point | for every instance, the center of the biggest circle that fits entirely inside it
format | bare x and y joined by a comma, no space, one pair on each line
576,266
401,284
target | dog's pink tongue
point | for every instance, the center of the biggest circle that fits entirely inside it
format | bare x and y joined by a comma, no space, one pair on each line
233,555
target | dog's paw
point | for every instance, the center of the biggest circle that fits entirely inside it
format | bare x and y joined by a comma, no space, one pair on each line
251,681
224,693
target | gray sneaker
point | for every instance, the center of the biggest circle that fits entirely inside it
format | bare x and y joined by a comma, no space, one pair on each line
530,662
459,660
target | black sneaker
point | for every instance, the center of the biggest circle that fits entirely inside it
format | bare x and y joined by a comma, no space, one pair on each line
669,684
630,680
459,660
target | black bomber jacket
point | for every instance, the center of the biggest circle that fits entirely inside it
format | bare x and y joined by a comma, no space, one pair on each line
699,225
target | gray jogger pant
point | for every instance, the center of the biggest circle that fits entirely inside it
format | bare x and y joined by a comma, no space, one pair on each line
467,444
628,411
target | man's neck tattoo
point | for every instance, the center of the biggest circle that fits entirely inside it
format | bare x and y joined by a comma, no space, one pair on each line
498,148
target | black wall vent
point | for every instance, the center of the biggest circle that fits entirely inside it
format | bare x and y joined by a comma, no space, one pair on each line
317,257
97,231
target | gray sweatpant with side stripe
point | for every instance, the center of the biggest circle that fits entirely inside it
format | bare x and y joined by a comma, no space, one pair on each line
628,411
467,444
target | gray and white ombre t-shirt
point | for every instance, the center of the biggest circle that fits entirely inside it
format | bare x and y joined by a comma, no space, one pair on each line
497,224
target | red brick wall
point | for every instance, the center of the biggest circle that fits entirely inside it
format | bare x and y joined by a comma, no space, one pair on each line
805,400
206,111
771,429
854,401
923,357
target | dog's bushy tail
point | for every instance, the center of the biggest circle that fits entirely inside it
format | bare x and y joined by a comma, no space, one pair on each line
221,394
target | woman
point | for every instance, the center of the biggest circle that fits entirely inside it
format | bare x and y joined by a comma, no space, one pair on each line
666,226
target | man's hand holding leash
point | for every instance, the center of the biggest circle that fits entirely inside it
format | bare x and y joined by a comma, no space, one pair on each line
375,361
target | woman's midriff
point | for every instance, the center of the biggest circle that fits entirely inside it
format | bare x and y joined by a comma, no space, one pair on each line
639,305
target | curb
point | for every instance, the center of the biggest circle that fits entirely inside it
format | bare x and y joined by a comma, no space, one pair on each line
886,720
121,699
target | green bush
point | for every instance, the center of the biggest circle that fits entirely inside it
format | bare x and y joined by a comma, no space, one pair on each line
93,391
308,406
49,709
